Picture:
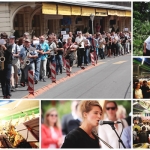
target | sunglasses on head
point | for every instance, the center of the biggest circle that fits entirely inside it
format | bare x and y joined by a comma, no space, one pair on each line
52,115
112,108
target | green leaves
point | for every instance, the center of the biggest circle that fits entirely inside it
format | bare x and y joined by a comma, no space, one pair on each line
141,26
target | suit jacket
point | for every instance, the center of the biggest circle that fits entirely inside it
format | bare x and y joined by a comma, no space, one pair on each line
64,123
73,124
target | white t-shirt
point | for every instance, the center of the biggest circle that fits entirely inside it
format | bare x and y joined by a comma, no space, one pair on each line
147,41
52,47
54,136
78,40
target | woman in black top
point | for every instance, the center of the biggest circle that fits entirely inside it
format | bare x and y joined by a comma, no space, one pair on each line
83,136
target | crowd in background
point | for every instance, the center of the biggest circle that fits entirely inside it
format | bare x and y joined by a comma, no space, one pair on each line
38,53
56,135
141,130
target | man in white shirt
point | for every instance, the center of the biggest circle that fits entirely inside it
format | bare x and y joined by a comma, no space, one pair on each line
146,50
80,52
15,62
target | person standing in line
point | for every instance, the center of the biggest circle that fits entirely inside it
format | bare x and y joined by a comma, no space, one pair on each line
44,54
6,73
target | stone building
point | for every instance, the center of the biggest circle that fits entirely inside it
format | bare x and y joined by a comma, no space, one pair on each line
39,17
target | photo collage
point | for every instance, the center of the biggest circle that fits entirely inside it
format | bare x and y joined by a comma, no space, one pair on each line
74,74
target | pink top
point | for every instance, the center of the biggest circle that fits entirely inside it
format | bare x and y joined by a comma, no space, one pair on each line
50,136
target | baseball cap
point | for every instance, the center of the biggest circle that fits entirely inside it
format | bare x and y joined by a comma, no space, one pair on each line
11,37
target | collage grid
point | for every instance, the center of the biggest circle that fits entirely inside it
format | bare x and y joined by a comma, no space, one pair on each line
55,95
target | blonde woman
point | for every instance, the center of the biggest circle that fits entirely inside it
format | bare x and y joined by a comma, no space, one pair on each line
83,136
51,131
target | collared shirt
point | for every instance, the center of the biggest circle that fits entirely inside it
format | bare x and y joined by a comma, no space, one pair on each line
106,133
147,41
45,48
24,51
126,137
15,49
78,41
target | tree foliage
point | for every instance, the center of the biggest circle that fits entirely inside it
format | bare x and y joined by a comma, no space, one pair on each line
141,26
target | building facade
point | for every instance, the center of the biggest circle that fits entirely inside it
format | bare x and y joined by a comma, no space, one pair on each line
40,17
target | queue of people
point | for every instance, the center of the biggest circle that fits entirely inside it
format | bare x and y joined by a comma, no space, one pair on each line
38,53
81,128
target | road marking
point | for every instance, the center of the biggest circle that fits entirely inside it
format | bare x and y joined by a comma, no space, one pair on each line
51,85
119,62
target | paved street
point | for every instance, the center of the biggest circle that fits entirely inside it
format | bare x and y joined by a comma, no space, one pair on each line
110,78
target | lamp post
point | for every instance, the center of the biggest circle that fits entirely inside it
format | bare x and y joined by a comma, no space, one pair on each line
92,19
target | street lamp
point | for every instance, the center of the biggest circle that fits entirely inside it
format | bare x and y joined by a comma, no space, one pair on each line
92,19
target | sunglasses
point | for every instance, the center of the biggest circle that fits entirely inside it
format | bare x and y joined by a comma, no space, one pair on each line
52,115
112,108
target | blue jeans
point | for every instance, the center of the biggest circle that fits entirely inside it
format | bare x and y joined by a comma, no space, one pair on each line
37,64
24,77
6,74
52,59
59,63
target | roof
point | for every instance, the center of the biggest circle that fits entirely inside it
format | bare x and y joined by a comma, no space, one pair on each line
97,5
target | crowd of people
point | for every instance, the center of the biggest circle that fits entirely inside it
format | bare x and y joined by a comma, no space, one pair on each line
38,53
141,90
141,130
81,128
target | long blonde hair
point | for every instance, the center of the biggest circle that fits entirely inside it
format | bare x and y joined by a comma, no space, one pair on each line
46,122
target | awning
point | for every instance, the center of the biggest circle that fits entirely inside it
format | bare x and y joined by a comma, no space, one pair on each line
128,13
64,10
121,13
112,12
87,11
100,12
49,9
75,10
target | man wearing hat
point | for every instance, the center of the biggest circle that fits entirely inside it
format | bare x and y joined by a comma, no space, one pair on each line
27,53
6,73
15,62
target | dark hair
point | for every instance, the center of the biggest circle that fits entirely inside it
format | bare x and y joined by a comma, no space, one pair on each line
4,35
113,103
20,41
135,129
143,128
144,81
136,84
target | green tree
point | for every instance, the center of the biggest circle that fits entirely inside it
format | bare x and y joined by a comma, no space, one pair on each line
141,26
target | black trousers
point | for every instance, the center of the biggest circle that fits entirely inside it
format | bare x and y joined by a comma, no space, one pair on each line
5,76
147,53
80,54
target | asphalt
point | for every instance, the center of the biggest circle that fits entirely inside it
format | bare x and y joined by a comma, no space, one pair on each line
105,80
110,79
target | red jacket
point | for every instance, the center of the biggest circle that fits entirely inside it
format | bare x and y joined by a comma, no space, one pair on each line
47,138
